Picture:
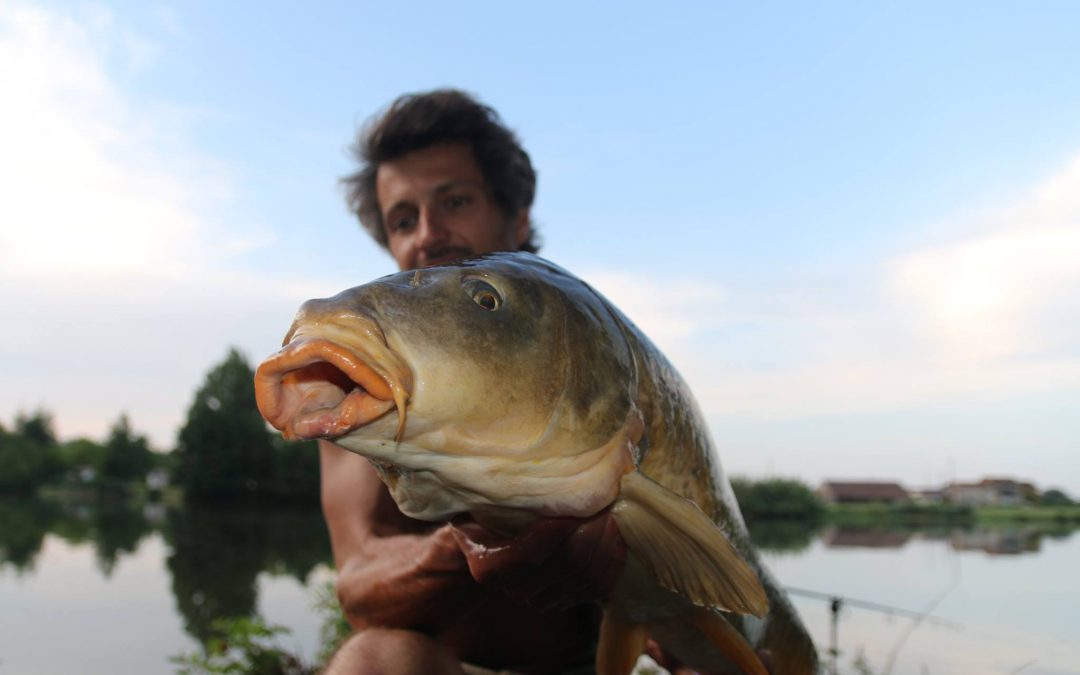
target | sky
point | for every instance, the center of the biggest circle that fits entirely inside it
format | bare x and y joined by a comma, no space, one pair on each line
853,227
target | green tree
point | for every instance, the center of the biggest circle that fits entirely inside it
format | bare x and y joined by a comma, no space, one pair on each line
1054,498
776,498
127,455
224,447
29,456
19,464
36,428
82,452
296,471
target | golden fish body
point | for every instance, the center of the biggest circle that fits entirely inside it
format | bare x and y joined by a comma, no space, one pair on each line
521,392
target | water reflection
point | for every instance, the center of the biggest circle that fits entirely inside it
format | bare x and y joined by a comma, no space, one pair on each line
202,564
112,529
116,530
23,525
794,537
783,536
998,540
850,537
215,555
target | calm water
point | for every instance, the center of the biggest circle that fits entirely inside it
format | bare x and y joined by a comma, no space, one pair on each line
91,590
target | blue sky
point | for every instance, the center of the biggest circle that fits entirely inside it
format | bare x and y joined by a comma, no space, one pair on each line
855,227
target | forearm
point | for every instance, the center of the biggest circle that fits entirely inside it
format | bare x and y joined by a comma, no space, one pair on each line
399,573
419,582
393,571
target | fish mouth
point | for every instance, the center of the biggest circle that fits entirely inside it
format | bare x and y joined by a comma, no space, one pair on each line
318,388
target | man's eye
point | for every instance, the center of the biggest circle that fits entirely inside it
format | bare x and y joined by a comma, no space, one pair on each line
457,201
402,223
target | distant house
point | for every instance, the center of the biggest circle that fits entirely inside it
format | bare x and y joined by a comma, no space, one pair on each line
928,496
990,492
837,492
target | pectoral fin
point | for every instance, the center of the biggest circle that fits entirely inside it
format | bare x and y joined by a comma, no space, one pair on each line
621,643
686,552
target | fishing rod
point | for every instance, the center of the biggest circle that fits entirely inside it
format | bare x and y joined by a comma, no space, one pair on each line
837,602
872,606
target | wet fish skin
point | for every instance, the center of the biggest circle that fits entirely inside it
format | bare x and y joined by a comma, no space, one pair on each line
521,392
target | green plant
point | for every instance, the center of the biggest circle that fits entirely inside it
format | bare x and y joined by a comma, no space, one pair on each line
776,498
242,645
334,628
861,664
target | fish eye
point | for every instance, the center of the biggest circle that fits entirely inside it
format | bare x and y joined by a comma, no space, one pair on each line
483,294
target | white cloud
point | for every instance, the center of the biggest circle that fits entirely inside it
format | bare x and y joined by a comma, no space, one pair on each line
115,278
987,297
673,309
1007,288
987,317
85,190
958,356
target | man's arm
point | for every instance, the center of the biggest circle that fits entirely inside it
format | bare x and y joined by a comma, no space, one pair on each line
393,571
398,573
390,566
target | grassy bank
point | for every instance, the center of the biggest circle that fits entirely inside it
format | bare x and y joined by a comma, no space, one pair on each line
1030,514
899,514
947,514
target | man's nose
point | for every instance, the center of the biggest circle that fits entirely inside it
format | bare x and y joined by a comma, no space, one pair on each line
430,229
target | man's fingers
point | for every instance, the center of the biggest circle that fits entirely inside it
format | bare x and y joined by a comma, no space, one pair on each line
555,562
492,556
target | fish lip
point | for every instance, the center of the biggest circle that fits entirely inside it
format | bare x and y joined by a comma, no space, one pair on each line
296,399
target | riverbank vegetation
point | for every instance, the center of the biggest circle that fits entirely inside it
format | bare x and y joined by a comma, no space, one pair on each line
910,513
31,457
777,499
767,503
224,453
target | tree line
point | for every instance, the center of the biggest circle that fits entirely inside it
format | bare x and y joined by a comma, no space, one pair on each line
224,450
31,455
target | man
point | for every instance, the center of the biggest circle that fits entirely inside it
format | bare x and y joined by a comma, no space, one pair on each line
441,179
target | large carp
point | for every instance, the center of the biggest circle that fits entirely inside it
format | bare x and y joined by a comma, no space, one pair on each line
521,392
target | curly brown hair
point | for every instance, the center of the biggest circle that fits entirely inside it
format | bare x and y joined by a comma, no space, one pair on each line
416,121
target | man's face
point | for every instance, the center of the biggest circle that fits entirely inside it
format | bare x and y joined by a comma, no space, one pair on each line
437,207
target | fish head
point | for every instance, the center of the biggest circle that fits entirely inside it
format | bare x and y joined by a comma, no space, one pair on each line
513,387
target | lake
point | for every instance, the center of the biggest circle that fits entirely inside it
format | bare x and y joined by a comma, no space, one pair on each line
92,589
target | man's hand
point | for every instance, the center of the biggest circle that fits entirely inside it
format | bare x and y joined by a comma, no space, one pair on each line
406,581
555,563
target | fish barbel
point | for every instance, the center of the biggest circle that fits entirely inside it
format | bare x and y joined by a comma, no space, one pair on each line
520,392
